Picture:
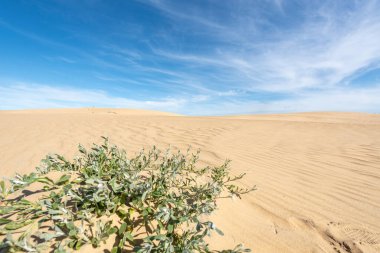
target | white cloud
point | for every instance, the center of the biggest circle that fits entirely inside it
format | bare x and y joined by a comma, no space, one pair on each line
345,100
34,96
37,96
191,15
329,46
60,58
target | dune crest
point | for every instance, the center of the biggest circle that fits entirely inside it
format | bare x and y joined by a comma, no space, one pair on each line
317,174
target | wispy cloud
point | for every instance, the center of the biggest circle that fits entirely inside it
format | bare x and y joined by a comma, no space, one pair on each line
35,37
35,96
340,100
39,96
61,59
192,15
331,45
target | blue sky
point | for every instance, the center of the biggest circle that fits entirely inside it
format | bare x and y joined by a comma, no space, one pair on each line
192,57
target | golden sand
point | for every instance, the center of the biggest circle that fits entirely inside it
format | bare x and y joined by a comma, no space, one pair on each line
317,174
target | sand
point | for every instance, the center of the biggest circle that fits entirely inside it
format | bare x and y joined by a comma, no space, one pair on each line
317,174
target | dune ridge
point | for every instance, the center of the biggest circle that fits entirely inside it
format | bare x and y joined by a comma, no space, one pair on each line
317,174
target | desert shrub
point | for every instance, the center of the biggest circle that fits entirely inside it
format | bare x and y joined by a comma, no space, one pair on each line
154,202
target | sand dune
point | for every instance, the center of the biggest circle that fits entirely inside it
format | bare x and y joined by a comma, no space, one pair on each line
317,174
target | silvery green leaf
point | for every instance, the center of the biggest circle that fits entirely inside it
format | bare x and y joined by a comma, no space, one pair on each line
63,179
220,232
6,209
16,225
48,236
4,221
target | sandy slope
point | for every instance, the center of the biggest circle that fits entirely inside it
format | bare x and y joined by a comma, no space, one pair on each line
318,174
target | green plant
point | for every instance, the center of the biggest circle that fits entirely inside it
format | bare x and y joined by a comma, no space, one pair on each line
150,203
